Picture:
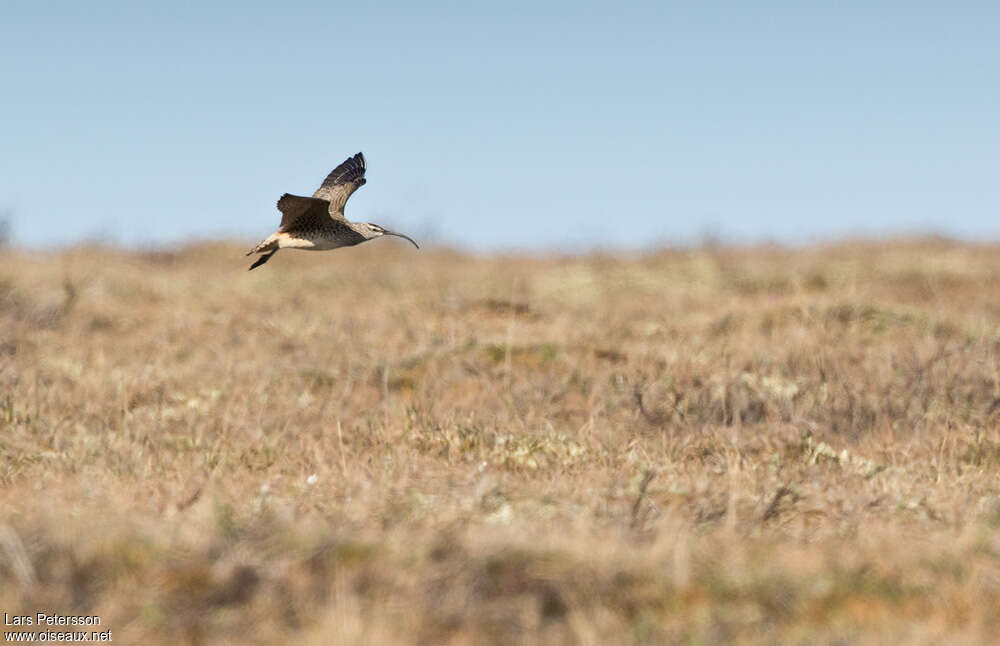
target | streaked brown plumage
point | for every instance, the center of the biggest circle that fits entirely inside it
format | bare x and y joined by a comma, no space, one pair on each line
318,222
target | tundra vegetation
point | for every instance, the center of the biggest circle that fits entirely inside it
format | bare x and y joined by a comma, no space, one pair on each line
706,445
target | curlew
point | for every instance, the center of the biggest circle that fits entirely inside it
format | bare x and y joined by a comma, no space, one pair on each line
318,222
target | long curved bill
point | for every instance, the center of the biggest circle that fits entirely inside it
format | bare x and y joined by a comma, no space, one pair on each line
399,235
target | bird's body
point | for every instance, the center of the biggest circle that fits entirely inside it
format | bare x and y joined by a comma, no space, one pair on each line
318,222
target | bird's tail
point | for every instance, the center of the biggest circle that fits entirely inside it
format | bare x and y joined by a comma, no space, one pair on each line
267,244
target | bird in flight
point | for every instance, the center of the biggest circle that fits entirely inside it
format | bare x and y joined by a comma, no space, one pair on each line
318,222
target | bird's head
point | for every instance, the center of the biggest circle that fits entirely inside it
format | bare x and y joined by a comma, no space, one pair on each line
370,231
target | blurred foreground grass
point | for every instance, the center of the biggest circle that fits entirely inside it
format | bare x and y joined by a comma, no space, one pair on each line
749,445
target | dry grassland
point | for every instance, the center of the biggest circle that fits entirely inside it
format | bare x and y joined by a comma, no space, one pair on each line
384,446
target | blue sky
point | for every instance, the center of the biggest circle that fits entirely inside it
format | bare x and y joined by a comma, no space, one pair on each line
517,125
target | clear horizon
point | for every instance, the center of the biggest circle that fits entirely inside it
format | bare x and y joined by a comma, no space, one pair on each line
556,126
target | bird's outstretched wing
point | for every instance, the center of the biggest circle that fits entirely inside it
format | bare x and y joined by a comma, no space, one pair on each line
341,183
299,212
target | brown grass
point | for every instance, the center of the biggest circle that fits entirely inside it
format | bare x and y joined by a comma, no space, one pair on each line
379,446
